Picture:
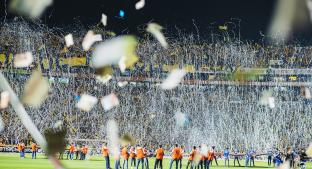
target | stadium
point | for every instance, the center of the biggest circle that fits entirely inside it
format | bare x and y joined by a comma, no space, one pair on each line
233,99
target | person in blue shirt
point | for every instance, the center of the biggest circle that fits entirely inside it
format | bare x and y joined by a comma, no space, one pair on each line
226,155
277,160
236,156
248,157
270,154
252,157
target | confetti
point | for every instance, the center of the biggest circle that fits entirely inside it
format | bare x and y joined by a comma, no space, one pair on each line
23,60
155,30
110,101
122,64
122,84
104,19
1,124
224,27
139,5
56,142
30,8
127,139
112,137
69,40
282,23
119,50
58,124
203,150
105,79
309,5
267,99
86,102
285,165
309,150
122,13
307,93
4,99
180,119
173,79
36,90
89,39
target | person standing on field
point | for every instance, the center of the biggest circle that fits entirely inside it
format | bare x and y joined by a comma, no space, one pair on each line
226,156
125,156
105,153
175,154
140,157
191,158
34,149
159,157
181,156
132,157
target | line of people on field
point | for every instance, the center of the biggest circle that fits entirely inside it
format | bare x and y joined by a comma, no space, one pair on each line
21,149
79,152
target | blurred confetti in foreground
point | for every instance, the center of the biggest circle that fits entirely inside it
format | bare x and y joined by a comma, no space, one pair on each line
4,99
104,19
155,30
23,60
69,40
139,5
86,102
127,139
110,101
119,50
309,5
30,8
112,137
36,90
89,39
122,13
289,16
173,79
203,150
285,165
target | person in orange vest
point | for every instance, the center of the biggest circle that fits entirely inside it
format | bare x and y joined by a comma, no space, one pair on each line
125,156
146,154
210,155
117,159
159,157
175,154
215,156
21,149
202,158
132,157
191,158
78,152
34,149
105,153
140,156
71,151
83,153
181,155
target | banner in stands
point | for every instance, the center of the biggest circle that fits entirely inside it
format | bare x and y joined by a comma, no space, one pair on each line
74,63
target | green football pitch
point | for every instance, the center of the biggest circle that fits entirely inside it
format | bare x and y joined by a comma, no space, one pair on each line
12,161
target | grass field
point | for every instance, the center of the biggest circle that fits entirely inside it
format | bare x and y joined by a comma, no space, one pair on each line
12,161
